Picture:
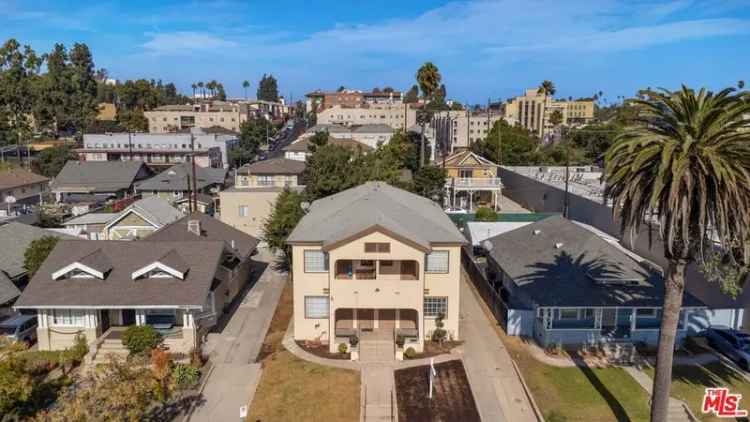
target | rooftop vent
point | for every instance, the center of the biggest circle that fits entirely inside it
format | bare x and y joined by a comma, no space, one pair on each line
536,232
558,245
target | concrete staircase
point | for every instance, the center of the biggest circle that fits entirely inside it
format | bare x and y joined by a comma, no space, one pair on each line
109,347
678,412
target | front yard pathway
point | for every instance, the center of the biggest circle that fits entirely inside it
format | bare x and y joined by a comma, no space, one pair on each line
497,389
235,349
677,409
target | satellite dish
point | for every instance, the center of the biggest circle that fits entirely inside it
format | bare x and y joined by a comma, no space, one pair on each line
305,206
10,199
487,245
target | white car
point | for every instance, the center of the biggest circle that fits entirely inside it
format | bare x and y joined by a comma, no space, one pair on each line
456,210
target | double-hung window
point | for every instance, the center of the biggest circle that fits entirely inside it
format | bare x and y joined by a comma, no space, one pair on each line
316,306
437,262
243,210
435,305
316,262
68,318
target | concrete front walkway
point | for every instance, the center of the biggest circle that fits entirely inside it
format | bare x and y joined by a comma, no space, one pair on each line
234,349
678,410
497,389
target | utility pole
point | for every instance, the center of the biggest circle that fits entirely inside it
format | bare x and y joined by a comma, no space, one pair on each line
190,198
566,204
194,198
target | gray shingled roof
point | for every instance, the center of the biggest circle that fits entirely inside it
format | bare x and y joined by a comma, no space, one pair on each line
373,128
302,145
273,166
8,289
91,218
555,262
211,229
174,179
14,239
97,176
16,177
153,208
118,289
330,128
371,205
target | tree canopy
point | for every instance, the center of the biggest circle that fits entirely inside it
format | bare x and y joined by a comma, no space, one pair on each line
37,251
268,89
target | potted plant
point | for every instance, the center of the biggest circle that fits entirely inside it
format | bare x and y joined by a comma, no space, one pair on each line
353,350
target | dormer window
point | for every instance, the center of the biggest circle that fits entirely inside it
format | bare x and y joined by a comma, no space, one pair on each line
94,265
170,265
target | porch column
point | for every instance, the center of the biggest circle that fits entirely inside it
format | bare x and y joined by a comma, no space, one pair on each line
398,318
355,318
375,319
471,200
41,317
633,314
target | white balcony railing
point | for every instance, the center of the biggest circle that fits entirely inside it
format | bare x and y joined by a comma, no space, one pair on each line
474,182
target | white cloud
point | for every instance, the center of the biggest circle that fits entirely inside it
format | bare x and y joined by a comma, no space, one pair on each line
182,43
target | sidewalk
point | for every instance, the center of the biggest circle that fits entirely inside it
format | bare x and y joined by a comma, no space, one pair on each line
497,389
235,376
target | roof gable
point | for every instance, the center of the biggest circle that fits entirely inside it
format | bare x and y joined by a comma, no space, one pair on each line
170,263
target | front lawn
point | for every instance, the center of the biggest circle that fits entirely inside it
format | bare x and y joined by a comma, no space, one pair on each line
576,394
293,389
690,381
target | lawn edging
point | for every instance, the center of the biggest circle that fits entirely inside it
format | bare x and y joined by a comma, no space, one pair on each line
527,391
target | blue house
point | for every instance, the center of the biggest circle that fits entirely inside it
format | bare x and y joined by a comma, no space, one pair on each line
565,284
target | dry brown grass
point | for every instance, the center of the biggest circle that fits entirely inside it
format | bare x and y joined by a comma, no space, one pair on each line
292,389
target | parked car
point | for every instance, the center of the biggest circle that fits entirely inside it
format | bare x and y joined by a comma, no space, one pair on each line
732,343
456,210
19,328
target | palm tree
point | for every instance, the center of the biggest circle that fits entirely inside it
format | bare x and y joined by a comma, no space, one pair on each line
741,84
547,88
246,85
194,86
685,163
428,78
201,85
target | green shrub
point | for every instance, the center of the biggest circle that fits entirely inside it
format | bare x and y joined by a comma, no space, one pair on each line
410,353
353,340
140,338
343,348
439,334
485,214
185,376
79,349
38,362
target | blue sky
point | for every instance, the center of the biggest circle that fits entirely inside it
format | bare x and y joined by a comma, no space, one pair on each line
483,48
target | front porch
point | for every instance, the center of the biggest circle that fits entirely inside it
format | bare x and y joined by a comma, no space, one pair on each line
377,325
588,325
470,193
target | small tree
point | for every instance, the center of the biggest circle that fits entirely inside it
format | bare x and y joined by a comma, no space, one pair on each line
439,334
37,252
286,213
485,214
141,338
161,367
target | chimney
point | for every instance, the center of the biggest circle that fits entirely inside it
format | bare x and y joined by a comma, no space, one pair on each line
194,226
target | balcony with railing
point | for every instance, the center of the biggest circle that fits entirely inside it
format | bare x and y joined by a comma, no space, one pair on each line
376,284
474,182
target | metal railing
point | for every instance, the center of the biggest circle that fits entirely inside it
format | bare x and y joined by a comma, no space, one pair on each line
474,182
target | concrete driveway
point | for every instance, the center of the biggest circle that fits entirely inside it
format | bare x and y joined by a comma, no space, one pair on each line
234,347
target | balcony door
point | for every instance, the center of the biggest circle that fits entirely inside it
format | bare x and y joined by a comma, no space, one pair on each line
465,174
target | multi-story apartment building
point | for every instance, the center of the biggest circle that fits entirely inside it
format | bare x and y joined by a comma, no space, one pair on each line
457,129
530,109
397,116
320,100
172,118
375,261
211,148
247,205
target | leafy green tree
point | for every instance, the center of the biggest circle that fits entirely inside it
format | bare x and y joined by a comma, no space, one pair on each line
268,89
319,139
741,84
516,145
429,181
594,139
38,251
428,78
19,72
141,339
50,161
329,170
412,95
286,213
83,107
16,384
686,164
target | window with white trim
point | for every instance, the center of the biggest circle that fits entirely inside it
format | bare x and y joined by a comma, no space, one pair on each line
68,318
435,305
316,261
437,262
316,306
243,210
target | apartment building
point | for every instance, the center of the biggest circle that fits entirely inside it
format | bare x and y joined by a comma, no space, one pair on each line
397,116
172,118
211,147
320,100
529,109
456,130
247,205
390,258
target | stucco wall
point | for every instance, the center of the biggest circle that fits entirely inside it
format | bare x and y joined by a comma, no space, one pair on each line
259,205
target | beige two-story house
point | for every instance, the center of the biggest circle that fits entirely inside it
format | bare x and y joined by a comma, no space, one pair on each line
375,259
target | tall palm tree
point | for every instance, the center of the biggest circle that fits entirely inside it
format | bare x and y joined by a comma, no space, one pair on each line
428,78
741,84
194,86
201,85
685,162
546,88
246,85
